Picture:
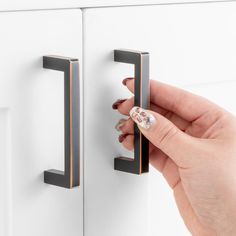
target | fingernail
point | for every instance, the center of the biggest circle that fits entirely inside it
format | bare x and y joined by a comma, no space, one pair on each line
120,123
126,80
116,104
142,117
122,137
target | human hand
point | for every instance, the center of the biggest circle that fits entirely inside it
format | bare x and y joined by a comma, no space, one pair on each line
193,144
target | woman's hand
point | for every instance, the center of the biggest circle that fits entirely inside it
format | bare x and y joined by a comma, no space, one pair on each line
193,144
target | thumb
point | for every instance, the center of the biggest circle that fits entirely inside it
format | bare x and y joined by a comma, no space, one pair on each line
164,135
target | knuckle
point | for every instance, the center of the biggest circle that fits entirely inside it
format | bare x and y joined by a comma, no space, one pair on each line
166,134
169,115
128,144
127,127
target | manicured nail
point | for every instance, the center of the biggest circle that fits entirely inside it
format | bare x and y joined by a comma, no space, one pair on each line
126,80
116,104
120,123
142,117
122,137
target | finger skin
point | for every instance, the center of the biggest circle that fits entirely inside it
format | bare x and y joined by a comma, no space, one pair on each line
164,135
125,107
128,142
185,104
127,127
159,160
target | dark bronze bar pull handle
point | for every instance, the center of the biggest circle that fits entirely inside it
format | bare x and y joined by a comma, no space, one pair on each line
140,163
70,177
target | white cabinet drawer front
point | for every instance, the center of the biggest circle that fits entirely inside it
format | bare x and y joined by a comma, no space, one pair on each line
6,5
12,5
32,115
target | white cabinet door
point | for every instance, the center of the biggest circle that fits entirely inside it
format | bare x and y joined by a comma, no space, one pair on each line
189,45
32,124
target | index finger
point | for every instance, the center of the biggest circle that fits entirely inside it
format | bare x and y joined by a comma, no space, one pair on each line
183,103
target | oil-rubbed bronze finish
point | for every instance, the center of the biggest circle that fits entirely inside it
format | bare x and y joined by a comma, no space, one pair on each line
70,177
140,163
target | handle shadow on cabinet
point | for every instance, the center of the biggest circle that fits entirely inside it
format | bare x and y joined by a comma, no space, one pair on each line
70,177
140,163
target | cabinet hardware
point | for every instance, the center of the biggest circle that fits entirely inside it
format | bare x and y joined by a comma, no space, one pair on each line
140,163
70,177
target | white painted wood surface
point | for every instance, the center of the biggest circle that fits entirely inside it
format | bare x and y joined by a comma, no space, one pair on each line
191,46
31,124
